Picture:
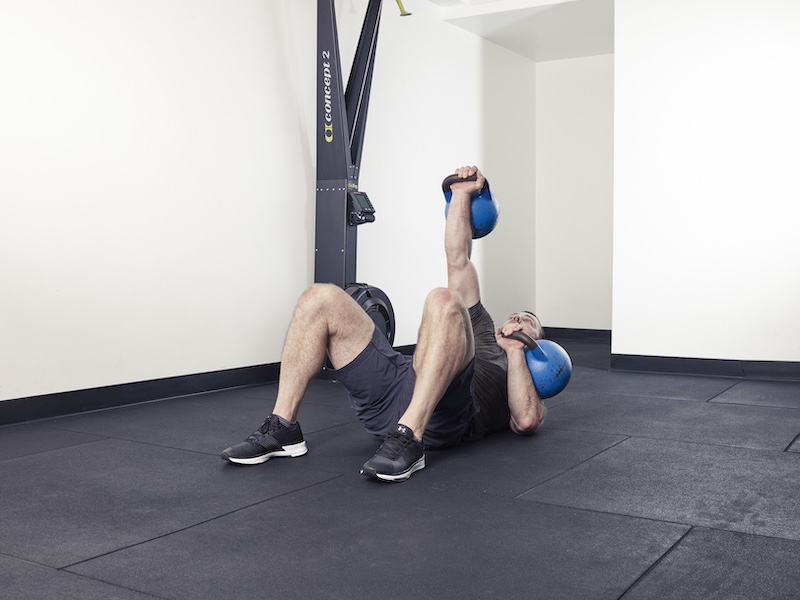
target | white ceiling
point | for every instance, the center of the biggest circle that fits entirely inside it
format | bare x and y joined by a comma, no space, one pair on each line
538,29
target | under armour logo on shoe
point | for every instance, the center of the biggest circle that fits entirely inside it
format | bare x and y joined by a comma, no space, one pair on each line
402,429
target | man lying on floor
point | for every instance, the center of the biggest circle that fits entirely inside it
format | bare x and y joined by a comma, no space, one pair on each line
465,379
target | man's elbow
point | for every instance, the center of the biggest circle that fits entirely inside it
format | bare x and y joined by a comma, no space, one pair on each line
457,259
526,425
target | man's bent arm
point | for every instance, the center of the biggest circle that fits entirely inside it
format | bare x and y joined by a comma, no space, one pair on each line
524,403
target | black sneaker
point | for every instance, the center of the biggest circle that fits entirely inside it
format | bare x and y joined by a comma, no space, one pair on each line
272,439
398,458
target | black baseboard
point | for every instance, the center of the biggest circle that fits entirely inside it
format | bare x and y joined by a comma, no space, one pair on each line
743,369
584,335
34,408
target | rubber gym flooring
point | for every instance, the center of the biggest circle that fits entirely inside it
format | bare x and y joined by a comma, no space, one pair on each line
638,486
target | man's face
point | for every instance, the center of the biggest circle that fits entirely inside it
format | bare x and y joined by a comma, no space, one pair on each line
529,323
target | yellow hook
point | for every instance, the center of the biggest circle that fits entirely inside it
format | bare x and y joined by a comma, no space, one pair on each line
403,12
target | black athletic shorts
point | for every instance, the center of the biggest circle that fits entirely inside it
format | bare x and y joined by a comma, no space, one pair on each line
490,382
380,382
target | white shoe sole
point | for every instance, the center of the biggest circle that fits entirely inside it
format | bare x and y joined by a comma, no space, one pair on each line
417,466
291,451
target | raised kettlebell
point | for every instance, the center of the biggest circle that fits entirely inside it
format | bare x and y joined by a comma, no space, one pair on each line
548,362
485,210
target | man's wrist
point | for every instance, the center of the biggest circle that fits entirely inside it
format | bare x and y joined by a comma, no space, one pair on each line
512,351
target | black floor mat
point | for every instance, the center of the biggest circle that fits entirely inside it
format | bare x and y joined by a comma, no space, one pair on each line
638,486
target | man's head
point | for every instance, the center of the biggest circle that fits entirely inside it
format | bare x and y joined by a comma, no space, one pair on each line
530,323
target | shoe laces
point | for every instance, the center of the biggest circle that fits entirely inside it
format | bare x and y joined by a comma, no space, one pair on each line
270,425
394,445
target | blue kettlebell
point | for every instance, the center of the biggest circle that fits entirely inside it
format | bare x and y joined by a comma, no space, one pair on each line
485,210
549,364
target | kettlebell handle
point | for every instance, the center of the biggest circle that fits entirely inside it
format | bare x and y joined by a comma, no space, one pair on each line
451,179
523,337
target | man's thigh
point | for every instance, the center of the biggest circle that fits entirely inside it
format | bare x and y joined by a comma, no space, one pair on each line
350,327
380,382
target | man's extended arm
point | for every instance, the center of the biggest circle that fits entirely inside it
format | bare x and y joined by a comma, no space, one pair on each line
461,273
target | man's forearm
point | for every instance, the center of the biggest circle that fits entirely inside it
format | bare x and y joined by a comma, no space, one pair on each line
458,229
525,406
462,275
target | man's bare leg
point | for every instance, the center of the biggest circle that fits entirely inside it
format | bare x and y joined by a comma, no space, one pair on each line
326,319
445,347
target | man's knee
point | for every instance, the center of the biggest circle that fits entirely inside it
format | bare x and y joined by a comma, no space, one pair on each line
444,301
328,303
445,321
320,295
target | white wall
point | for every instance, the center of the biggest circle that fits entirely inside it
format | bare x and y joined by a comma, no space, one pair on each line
507,256
157,177
140,186
707,198
474,107
574,191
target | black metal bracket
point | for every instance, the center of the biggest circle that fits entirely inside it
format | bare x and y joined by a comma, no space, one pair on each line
341,121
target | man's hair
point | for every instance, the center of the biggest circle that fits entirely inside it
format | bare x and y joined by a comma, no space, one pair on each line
537,320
